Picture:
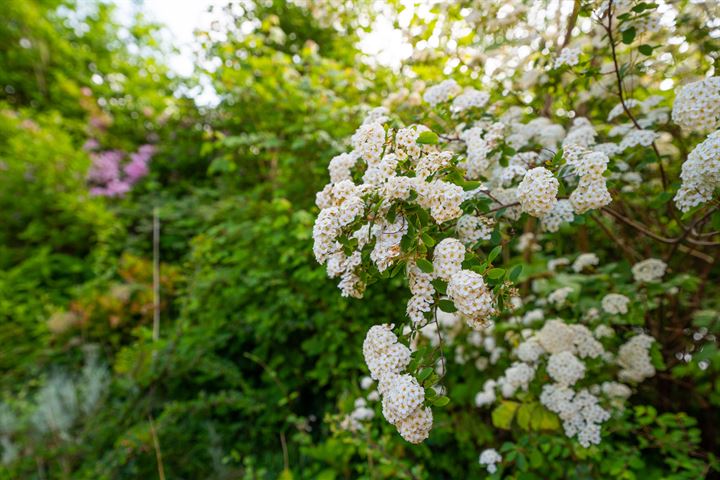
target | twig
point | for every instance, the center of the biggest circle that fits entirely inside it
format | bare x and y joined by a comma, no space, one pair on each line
629,252
158,453
283,443
608,29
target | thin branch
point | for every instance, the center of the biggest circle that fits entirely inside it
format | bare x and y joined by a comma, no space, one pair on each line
608,29
629,251
158,453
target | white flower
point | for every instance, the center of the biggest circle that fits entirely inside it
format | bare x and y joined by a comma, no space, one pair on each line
471,228
554,263
491,458
565,368
402,396
447,258
568,56
634,358
638,137
517,377
603,331
700,174
561,213
649,270
341,165
559,296
537,193
614,303
585,260
556,337
487,396
441,92
471,296
697,105
415,428
530,350
366,383
590,194
368,142
470,98
384,356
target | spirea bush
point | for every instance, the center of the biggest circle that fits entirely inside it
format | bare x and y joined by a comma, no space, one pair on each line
441,193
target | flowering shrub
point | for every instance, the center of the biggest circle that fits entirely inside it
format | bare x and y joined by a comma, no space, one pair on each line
519,222
439,194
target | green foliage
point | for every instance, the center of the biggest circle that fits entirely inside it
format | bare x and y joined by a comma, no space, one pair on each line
258,359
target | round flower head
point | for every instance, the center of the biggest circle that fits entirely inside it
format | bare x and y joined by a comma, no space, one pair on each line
447,258
614,303
649,270
537,193
697,105
415,428
471,296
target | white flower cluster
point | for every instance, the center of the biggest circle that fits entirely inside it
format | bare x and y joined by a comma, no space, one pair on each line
479,141
614,303
537,193
472,297
470,98
361,413
561,213
517,377
697,105
402,396
441,92
422,293
565,368
579,411
568,56
491,458
447,258
384,355
585,260
473,228
649,270
591,192
634,138
634,358
564,350
700,174
559,297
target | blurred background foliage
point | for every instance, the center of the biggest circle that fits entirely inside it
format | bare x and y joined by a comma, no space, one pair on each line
256,347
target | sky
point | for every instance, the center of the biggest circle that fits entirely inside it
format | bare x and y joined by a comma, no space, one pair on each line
182,17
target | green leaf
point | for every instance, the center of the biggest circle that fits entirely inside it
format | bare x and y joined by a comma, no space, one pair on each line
447,306
472,185
494,253
524,415
495,273
515,273
440,285
544,419
628,35
424,265
424,373
646,49
428,240
503,414
441,401
428,138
